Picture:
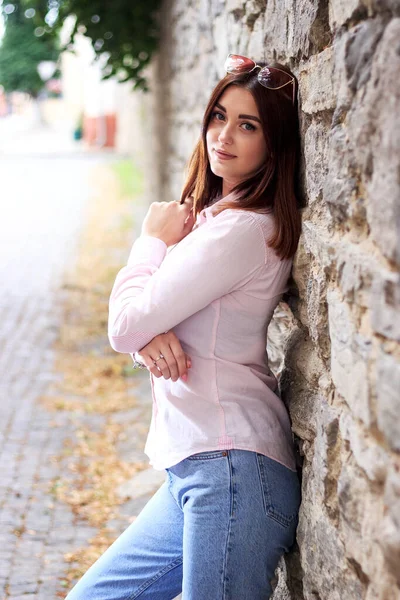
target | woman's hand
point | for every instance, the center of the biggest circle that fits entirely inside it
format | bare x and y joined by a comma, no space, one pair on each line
175,363
169,221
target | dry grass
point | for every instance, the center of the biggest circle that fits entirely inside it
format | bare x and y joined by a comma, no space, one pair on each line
94,379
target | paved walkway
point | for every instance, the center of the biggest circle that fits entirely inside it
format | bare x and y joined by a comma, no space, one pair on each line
41,205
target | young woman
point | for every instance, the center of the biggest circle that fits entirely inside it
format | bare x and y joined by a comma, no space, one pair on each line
193,305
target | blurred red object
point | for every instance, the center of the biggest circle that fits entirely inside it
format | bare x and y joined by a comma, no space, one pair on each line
54,85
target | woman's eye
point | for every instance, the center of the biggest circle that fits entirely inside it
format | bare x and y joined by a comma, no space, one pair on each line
249,126
217,114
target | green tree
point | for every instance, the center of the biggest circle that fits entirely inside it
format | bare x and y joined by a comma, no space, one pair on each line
23,47
124,31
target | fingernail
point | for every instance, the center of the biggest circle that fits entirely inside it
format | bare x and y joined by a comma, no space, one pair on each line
184,377
189,363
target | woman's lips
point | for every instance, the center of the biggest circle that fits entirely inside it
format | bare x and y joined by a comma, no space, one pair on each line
224,156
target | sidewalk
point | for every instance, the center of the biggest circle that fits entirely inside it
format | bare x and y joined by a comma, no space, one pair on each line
43,216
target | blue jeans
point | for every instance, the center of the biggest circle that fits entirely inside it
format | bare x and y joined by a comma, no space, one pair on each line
215,530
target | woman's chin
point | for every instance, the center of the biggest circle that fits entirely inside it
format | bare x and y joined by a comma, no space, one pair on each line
219,170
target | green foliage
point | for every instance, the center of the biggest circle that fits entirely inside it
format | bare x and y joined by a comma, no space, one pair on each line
130,178
124,31
22,50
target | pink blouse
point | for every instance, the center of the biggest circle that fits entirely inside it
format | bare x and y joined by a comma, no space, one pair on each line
217,290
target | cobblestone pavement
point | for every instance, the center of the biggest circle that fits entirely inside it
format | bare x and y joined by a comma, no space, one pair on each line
41,208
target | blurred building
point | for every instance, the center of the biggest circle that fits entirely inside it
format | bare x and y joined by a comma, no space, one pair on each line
104,109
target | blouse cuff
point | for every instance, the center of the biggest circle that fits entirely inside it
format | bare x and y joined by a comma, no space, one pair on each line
147,250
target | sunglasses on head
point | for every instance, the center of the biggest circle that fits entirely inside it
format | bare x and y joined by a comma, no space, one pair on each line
270,77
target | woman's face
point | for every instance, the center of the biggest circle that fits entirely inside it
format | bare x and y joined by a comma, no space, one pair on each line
236,145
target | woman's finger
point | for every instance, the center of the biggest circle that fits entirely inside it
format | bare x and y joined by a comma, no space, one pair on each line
188,225
155,371
180,356
163,367
168,364
149,363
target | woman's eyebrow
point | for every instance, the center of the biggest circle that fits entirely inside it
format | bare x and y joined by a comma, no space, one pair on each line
250,117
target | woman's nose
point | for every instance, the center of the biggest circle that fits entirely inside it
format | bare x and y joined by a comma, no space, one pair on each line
225,135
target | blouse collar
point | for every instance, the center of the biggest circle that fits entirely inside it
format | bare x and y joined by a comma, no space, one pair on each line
207,211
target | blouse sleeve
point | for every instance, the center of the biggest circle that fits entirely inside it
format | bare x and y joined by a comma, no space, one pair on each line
155,292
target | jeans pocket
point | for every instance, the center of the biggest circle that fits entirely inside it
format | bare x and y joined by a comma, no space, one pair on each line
281,490
207,455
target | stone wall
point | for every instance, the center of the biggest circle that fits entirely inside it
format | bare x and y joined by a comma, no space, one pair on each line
340,327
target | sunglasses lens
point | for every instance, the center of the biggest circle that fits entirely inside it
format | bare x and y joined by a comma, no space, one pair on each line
273,78
238,64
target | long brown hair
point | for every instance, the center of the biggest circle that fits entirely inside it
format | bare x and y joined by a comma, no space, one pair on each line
273,188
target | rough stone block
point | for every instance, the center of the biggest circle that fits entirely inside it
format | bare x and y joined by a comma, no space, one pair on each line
321,545
256,48
375,126
293,28
385,304
340,184
315,83
367,453
341,11
388,398
389,534
349,358
316,163
361,43
359,524
356,269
